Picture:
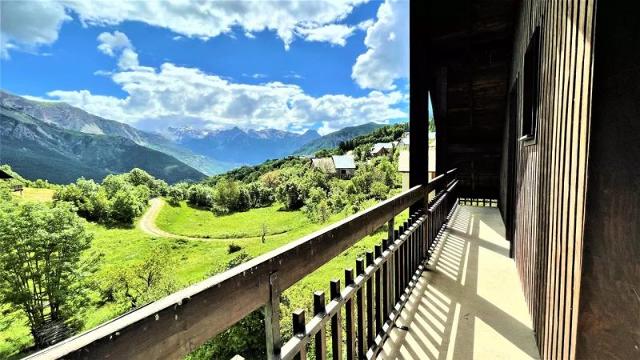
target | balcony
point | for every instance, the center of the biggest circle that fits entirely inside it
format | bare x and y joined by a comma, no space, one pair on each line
385,309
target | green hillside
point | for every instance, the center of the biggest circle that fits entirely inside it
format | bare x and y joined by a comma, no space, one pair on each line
333,139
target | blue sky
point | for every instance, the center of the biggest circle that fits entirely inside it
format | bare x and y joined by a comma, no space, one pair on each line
285,65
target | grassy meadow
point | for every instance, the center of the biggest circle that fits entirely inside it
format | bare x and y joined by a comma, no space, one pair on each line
196,259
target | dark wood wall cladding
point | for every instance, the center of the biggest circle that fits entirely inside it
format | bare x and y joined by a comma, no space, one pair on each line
469,49
548,204
609,320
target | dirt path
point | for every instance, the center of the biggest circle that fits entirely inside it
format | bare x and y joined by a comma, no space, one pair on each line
148,222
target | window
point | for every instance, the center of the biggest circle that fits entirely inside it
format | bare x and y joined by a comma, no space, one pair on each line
530,87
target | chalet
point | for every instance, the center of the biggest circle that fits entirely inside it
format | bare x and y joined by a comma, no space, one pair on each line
379,149
343,166
6,176
529,247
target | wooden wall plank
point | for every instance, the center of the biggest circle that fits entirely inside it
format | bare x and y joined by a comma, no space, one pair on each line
550,172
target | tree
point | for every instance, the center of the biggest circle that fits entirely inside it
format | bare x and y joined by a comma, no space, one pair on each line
143,282
126,205
41,266
291,194
200,196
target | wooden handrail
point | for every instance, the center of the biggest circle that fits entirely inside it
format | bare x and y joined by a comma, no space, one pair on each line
177,324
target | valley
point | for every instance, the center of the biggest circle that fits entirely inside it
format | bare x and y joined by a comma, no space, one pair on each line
179,234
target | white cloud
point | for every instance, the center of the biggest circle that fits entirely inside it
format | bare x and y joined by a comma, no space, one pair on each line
335,34
118,43
113,42
33,23
364,25
387,55
159,96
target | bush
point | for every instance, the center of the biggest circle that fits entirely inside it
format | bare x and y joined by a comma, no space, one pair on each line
174,196
291,194
260,195
234,248
379,190
200,196
136,285
126,205
231,195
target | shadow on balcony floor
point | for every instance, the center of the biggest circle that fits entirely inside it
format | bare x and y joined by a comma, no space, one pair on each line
470,306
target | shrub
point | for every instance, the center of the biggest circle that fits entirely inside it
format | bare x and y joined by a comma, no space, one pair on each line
234,248
174,196
379,190
200,196
126,205
260,195
291,194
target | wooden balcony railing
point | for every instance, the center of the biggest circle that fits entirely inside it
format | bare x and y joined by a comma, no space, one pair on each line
373,297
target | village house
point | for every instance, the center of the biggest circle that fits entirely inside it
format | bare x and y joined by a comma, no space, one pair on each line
343,166
5,176
379,149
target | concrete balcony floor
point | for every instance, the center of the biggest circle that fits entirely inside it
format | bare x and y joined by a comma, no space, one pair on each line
470,305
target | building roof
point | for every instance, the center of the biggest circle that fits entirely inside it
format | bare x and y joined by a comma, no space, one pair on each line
344,161
5,175
324,164
377,147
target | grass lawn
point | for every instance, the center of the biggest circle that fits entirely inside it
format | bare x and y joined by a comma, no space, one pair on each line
187,221
195,260
33,194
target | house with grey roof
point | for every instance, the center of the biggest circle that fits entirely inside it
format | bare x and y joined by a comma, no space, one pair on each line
379,149
343,166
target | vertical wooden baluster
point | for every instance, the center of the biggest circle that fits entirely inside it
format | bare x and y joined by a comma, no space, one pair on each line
403,261
300,332
360,308
272,318
407,256
385,283
336,322
409,246
321,336
414,244
378,276
397,263
349,318
370,309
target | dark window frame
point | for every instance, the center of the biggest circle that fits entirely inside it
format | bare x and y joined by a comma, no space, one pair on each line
531,89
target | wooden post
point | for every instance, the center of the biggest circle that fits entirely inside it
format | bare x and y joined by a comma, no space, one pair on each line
360,306
370,307
378,280
272,318
418,98
300,331
349,318
386,284
336,322
321,336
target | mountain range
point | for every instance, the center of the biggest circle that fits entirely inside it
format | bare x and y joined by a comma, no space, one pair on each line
59,142
244,147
